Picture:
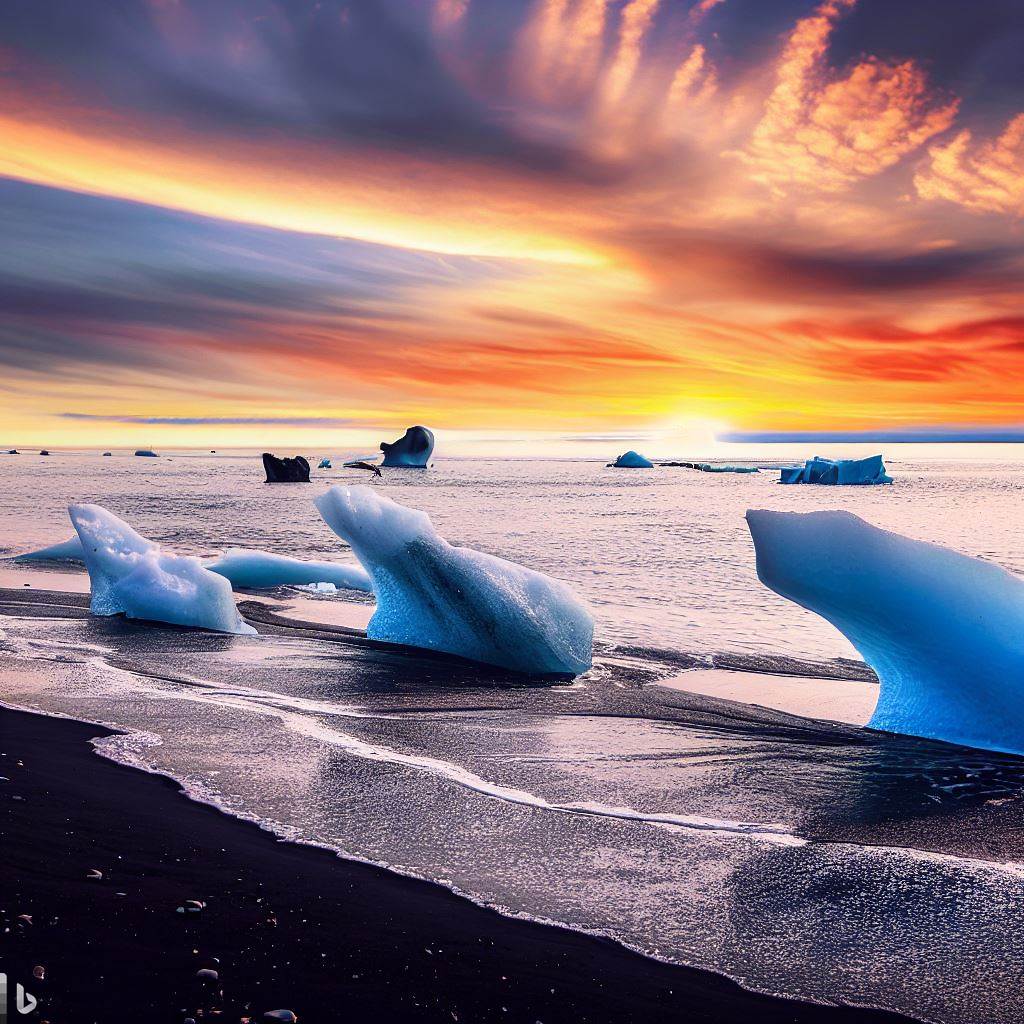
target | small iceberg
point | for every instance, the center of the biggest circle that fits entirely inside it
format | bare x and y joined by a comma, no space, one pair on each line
69,550
842,471
414,449
146,453
260,570
318,588
631,460
325,463
943,631
285,471
433,595
130,575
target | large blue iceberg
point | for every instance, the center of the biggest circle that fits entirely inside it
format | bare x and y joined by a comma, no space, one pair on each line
414,449
130,575
632,460
944,632
842,471
431,594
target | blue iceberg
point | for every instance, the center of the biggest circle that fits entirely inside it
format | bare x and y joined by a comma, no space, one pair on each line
434,595
325,463
130,575
842,471
943,631
258,570
414,449
632,460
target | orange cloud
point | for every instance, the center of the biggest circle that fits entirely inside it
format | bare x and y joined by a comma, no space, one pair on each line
988,177
634,23
826,132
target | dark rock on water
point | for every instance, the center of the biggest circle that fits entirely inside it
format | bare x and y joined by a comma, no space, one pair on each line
146,453
14,451
106,454
413,449
286,471
44,452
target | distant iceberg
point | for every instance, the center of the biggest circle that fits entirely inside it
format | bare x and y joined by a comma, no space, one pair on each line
632,460
842,471
431,594
944,632
130,575
325,463
67,551
711,467
261,569
414,449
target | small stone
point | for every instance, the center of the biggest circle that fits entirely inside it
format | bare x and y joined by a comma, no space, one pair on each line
39,972
286,1016
194,906
24,919
207,974
94,873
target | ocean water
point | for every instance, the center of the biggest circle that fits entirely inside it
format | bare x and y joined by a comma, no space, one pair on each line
798,856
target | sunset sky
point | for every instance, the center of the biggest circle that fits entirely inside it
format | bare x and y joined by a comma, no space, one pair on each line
252,220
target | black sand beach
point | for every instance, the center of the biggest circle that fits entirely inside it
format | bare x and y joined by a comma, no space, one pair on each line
284,926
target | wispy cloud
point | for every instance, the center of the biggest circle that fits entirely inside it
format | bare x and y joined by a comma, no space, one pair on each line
897,435
825,130
987,177
220,421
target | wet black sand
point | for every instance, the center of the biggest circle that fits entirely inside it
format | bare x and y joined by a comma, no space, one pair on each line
285,926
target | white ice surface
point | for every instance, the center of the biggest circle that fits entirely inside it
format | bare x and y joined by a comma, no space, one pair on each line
431,594
131,575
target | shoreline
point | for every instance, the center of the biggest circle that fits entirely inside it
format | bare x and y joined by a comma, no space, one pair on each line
292,925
